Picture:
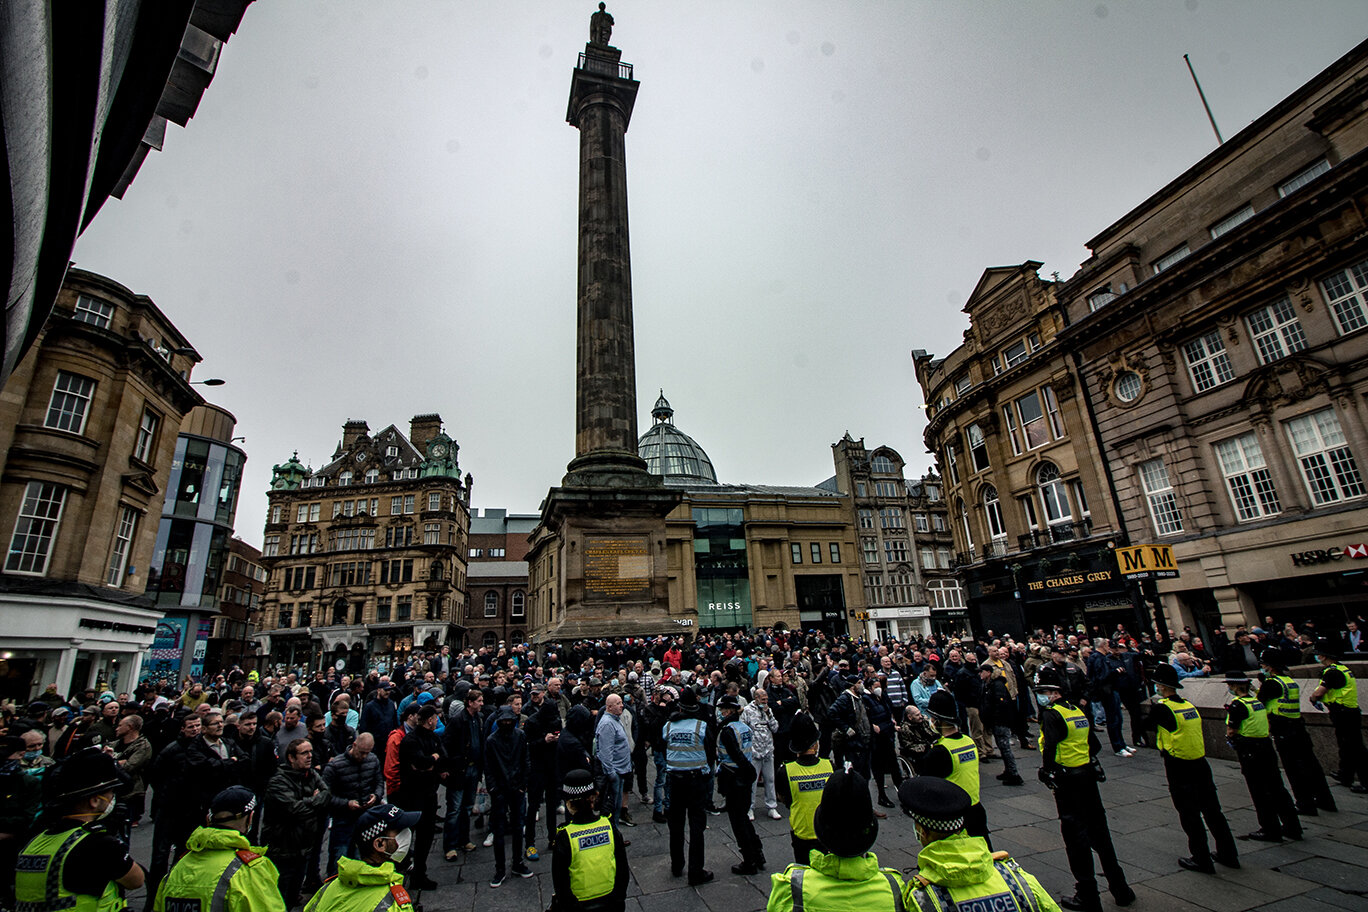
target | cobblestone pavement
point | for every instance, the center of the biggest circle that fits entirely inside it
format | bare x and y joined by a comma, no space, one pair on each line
1321,873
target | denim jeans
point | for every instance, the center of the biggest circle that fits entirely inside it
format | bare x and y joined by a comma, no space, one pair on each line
506,817
662,784
1003,735
460,795
611,799
339,840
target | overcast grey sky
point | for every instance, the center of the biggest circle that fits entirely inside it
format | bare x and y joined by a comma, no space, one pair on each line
373,213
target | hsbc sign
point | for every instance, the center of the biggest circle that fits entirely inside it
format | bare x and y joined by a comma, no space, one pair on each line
1329,555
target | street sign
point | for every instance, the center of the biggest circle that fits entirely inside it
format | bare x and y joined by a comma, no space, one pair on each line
1142,562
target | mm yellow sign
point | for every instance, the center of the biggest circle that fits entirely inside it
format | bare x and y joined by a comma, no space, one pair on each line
1141,562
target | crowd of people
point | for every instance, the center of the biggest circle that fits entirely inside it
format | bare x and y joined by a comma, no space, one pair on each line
320,783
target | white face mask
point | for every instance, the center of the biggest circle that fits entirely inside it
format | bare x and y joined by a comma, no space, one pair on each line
404,839
878,692
108,809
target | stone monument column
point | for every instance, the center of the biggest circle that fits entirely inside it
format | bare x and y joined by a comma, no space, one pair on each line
601,540
602,93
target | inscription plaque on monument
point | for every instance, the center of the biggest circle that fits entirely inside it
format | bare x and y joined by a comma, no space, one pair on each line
616,568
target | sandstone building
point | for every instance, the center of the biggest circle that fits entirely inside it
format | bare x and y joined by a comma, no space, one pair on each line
88,437
497,577
367,555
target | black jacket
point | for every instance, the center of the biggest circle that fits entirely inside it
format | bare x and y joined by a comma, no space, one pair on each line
464,740
213,773
261,761
177,793
999,708
419,773
353,781
572,750
506,759
297,805
542,721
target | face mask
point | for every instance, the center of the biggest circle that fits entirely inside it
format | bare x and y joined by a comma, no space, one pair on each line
878,691
30,756
1042,700
404,842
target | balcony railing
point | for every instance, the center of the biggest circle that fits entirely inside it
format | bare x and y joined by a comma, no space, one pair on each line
601,67
1055,535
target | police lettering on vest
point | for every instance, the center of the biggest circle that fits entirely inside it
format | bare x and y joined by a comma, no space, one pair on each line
593,859
1255,724
964,764
744,737
38,880
805,790
684,750
1072,752
1185,741
1288,703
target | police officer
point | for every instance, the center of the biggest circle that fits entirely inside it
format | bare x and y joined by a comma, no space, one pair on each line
800,784
1281,696
74,862
735,775
956,870
1179,734
221,871
843,874
690,756
588,858
1068,750
367,878
1338,693
955,758
1247,731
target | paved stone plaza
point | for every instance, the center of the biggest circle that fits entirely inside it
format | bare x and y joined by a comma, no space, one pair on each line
1320,873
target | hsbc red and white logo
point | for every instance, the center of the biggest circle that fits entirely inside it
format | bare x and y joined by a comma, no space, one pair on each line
1326,555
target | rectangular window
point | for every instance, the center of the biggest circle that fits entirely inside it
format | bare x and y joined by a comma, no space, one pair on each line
35,530
866,519
892,518
432,533
835,551
796,552
943,556
403,607
1052,411
94,311
382,609
286,616
1101,298
275,513
1345,292
859,489
497,552
997,365
270,546
337,509
928,557
1169,259
408,503
997,529
1012,433
147,435
938,522
1276,330
945,594
302,513
815,549
1033,342
396,571
396,506
1232,221
1080,498
870,548
895,550
1303,177
921,523
874,588
951,465
1032,416
978,447
900,588
70,403
1028,512
962,385
348,508
1248,480
1207,361
123,543
1326,462
1014,354
434,501
1163,503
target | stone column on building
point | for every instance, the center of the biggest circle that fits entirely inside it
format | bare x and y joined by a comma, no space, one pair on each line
66,667
1237,607
93,675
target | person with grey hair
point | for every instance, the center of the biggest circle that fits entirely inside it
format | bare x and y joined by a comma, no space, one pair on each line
763,726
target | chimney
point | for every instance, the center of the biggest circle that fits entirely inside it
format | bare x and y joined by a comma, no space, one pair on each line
423,428
353,431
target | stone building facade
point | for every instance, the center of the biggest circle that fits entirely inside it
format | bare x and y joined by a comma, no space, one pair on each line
735,556
905,546
88,434
244,581
1220,330
367,555
497,581
1029,503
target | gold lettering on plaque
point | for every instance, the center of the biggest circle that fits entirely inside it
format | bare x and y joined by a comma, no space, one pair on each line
616,568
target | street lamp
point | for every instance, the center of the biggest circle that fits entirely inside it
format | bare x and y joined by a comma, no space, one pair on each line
212,381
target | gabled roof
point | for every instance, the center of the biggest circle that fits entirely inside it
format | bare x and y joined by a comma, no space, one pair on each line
375,446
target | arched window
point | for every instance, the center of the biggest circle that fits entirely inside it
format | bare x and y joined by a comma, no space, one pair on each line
992,509
1054,495
491,604
372,476
438,571
963,512
882,465
518,605
516,636
340,611
489,640
345,478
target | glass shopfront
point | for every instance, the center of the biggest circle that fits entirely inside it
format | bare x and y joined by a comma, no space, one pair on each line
720,568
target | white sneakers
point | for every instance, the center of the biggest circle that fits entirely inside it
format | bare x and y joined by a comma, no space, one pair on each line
489,840
1126,752
775,815
750,815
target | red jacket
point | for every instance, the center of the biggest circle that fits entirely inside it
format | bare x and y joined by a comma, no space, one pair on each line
673,657
392,760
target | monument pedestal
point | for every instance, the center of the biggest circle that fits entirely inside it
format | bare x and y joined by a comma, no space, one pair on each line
613,566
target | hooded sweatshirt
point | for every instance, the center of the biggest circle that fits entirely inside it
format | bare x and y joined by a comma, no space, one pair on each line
506,755
963,865
572,750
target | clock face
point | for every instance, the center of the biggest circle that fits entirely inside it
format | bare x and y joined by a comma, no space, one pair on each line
439,450
279,483
360,457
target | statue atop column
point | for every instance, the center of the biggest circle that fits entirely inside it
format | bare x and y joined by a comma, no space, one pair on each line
601,27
